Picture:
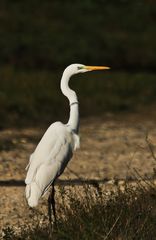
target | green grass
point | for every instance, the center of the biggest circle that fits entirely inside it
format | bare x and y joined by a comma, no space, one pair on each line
124,215
30,96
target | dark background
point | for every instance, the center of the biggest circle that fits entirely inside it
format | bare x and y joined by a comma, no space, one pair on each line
38,39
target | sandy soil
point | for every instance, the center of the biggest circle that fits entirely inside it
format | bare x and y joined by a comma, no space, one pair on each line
111,147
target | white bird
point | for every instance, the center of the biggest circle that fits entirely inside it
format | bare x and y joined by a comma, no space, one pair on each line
56,147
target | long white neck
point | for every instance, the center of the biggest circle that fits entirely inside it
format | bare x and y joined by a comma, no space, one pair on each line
73,101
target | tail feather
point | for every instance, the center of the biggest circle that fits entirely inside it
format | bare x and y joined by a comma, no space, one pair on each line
33,193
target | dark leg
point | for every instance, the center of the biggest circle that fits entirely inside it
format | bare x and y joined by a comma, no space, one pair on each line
51,207
53,204
49,214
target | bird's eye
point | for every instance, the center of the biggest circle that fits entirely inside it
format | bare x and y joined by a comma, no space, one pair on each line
79,68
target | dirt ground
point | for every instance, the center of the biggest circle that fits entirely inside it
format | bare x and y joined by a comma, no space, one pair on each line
111,147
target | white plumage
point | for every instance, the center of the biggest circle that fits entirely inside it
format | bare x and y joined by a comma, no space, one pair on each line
56,147
49,160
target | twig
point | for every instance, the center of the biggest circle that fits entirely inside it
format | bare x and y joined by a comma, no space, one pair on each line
112,227
150,146
145,180
140,229
73,172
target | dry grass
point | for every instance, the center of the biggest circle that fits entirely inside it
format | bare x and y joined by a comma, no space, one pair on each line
87,212
124,215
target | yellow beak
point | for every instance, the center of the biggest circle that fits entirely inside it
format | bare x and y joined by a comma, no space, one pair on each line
92,68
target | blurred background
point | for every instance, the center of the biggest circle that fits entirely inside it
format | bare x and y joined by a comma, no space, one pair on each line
38,39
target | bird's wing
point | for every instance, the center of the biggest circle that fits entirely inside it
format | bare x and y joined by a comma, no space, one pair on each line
54,167
30,160
51,155
48,161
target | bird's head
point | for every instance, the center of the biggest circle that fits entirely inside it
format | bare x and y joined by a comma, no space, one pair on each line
80,68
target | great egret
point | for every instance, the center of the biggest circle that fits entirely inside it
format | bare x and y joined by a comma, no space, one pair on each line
56,147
